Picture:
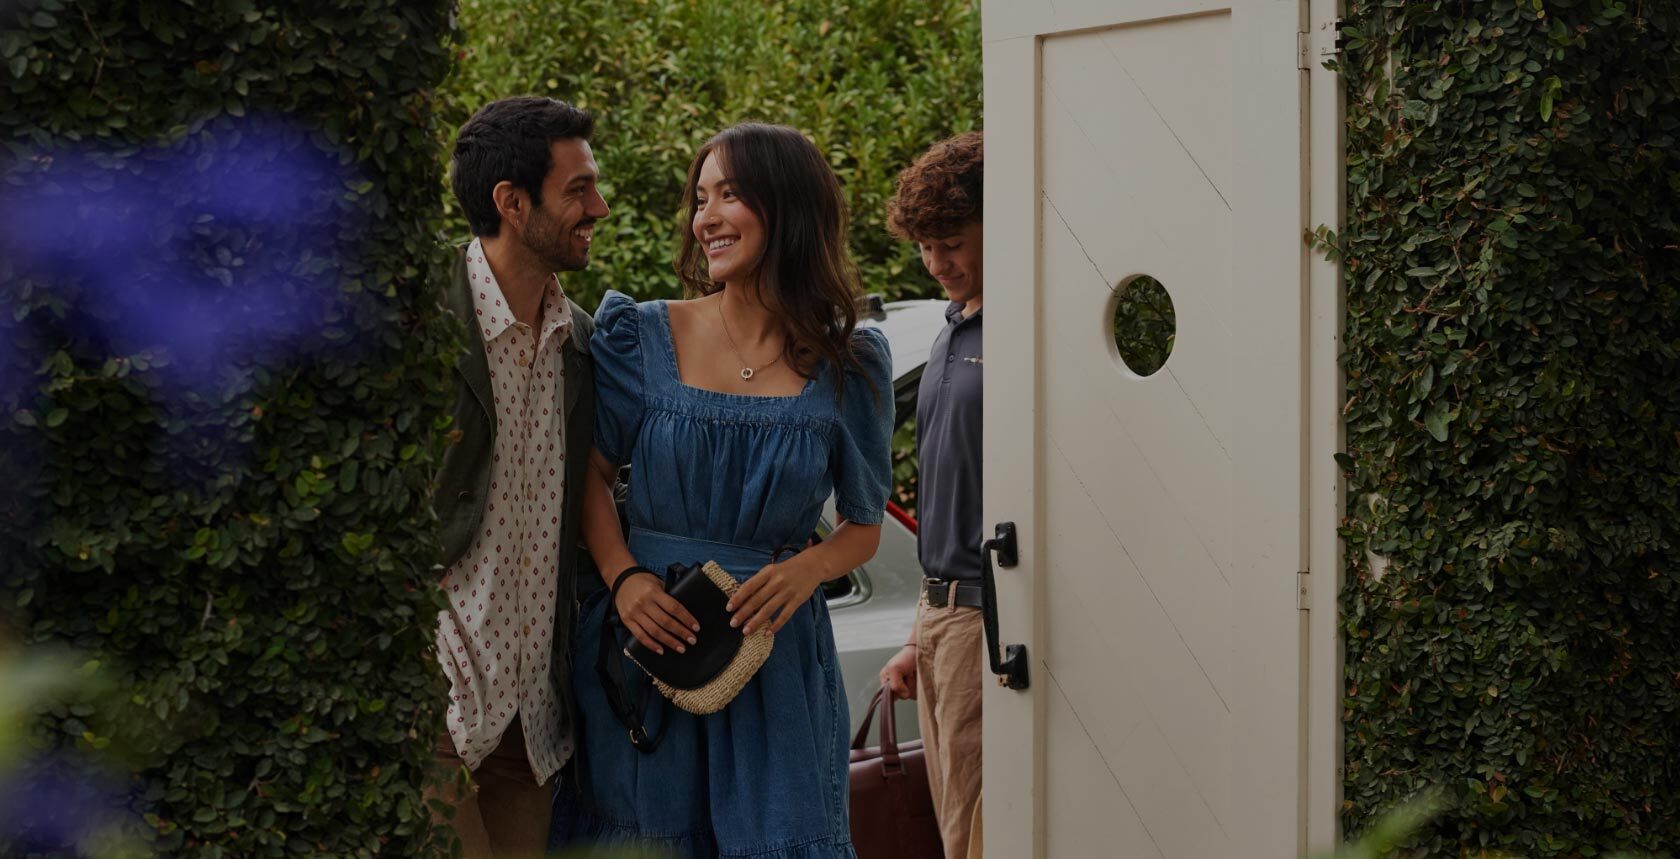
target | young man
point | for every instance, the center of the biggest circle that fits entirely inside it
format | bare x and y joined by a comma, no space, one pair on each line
938,208
510,489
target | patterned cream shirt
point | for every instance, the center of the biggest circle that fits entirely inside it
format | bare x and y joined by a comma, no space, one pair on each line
495,639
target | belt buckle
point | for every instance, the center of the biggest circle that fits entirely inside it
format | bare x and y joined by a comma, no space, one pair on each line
937,593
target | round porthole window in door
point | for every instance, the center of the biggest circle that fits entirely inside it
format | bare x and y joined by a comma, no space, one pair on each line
1144,324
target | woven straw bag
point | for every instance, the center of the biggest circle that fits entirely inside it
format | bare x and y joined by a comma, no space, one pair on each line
712,672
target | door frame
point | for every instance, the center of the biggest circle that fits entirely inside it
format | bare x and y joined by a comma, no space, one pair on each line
1326,435
1014,31
1011,208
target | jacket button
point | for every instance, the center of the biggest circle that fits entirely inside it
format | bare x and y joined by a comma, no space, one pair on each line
463,495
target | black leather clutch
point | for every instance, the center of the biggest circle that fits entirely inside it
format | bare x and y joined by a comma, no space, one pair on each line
717,641
708,675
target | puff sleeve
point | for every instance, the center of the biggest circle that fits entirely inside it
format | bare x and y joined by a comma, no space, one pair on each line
862,458
619,393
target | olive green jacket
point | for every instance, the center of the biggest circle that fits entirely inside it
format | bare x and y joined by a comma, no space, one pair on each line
464,477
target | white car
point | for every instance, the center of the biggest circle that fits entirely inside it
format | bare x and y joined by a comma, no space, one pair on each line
874,608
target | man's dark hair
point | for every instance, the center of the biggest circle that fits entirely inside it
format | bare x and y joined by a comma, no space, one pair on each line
510,140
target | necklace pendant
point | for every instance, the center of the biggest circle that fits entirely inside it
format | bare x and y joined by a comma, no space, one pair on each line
746,373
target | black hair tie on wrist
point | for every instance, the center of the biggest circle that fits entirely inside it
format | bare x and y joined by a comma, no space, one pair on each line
636,570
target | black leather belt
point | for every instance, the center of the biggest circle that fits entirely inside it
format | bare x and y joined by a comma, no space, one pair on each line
940,593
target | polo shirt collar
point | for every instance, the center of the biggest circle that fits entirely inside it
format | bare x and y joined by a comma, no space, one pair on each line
953,313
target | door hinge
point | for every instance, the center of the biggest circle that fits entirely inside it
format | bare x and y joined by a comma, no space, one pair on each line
1329,40
1301,42
1303,591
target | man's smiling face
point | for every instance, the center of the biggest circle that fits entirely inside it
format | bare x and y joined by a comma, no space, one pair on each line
559,231
955,261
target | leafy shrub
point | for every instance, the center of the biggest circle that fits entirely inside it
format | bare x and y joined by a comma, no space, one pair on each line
221,366
1513,420
1145,325
873,82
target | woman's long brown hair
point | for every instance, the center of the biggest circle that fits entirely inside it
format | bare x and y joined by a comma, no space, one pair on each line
806,277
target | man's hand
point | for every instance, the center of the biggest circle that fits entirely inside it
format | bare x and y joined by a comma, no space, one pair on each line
899,674
655,617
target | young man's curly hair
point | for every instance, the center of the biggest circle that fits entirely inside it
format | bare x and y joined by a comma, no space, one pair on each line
940,192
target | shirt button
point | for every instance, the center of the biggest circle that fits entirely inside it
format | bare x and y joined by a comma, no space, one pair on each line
950,358
527,632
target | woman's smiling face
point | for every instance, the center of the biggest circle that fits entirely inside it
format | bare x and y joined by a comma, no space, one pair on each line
727,229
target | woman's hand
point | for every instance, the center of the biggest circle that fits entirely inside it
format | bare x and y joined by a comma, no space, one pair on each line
770,597
655,617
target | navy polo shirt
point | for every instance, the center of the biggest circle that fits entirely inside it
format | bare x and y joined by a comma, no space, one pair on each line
948,438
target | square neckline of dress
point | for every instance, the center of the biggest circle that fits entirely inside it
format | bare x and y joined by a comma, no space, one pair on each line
675,369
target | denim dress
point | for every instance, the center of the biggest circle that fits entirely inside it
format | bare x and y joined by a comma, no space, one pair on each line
728,478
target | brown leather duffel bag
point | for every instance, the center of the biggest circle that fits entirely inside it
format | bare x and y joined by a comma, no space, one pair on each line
892,810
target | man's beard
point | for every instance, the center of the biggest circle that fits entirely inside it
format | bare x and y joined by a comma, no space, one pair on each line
553,243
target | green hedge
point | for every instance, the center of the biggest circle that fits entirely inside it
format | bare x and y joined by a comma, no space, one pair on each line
221,367
1513,419
874,82
1145,325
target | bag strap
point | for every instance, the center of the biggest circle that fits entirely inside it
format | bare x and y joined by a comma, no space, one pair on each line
891,763
862,735
610,668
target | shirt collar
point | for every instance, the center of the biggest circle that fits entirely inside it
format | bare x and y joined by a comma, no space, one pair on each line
954,313
557,312
491,309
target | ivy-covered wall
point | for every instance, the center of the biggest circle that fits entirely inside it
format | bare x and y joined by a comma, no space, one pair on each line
221,367
1513,419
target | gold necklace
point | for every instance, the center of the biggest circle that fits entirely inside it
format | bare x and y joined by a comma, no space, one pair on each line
747,372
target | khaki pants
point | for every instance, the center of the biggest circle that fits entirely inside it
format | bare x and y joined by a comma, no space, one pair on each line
505,812
949,650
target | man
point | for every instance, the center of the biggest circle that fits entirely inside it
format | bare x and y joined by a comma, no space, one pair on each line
511,486
938,206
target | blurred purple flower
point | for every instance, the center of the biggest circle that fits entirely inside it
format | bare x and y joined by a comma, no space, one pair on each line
54,806
208,258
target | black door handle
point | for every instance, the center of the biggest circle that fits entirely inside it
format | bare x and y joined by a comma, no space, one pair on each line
1009,664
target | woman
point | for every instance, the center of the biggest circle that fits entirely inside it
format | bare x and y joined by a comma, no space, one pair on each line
741,410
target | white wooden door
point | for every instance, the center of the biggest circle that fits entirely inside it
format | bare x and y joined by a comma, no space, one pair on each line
1163,519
